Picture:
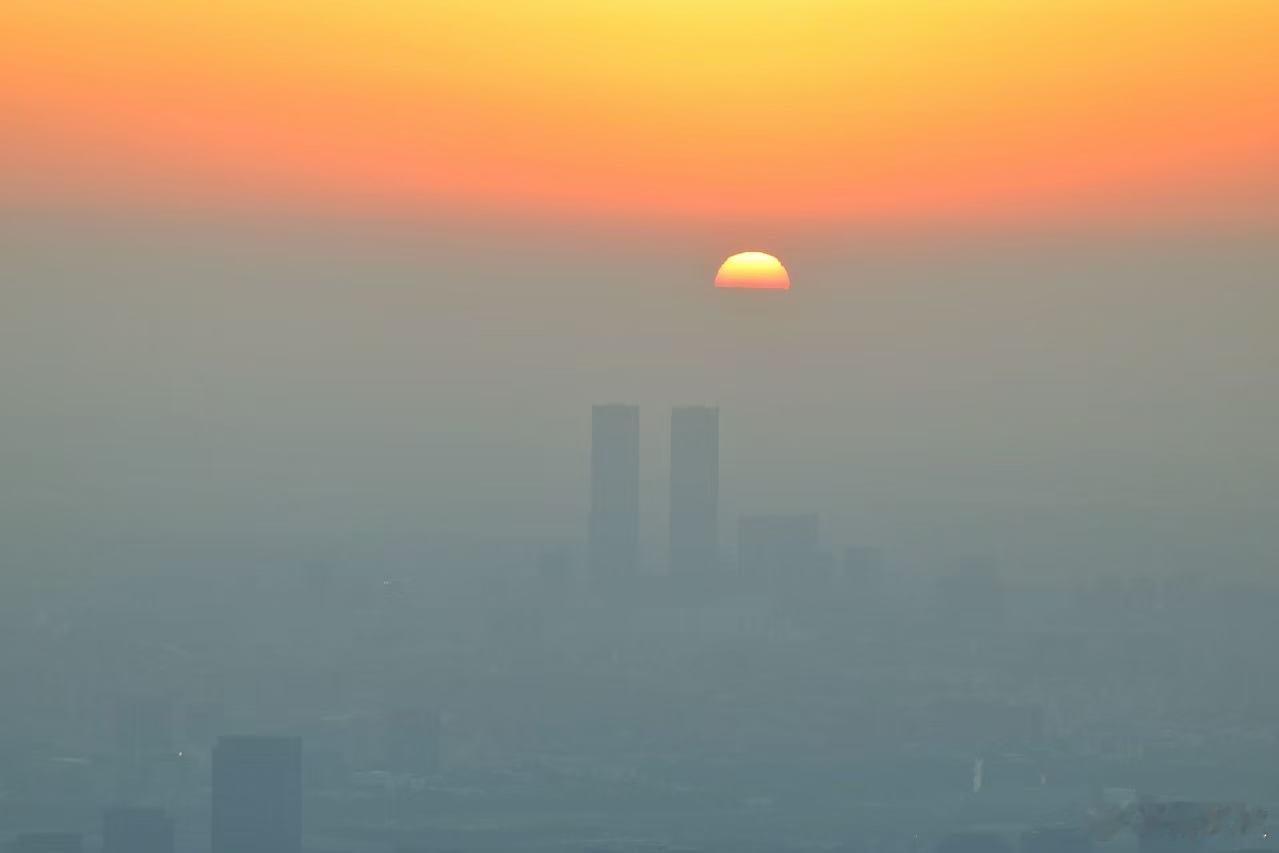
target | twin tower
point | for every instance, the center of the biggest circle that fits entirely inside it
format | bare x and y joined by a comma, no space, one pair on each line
613,534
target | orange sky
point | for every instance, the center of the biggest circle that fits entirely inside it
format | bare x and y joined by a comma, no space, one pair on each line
674,110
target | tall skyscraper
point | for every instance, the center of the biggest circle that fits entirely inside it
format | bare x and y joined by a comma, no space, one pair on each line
137,830
694,530
613,548
257,795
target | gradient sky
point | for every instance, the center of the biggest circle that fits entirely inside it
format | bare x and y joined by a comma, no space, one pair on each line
316,274
759,111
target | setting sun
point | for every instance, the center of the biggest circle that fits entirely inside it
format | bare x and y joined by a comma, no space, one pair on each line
753,271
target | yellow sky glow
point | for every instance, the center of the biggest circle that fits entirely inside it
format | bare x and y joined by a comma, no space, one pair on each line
696,110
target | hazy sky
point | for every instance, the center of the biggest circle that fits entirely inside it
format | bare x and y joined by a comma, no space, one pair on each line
324,275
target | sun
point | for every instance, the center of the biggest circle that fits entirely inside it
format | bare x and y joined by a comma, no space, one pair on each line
753,271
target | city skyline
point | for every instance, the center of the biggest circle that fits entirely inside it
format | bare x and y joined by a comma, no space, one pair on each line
639,426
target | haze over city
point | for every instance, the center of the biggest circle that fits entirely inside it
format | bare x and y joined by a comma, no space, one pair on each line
810,426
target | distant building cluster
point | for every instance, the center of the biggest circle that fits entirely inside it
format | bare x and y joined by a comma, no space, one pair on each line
594,722
769,546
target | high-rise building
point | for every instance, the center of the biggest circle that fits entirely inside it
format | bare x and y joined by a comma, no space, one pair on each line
137,830
694,530
48,842
778,546
613,547
257,795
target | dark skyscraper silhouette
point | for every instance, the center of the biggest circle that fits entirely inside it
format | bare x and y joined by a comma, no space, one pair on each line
137,831
614,521
694,504
257,795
